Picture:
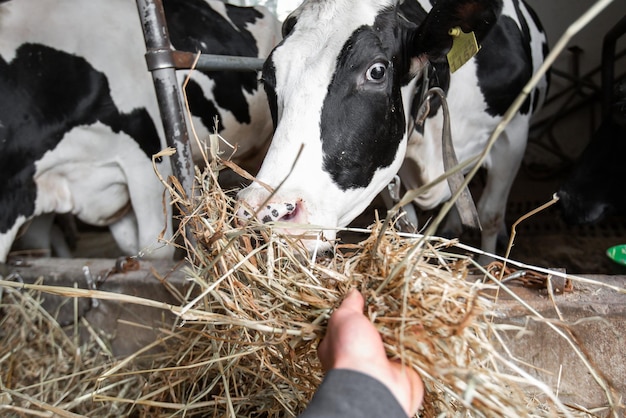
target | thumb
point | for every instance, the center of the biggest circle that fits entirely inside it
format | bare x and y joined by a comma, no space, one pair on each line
354,301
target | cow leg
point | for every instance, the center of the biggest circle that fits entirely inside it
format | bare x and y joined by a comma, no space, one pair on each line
451,227
147,200
35,236
8,237
43,235
138,236
505,159
125,233
58,242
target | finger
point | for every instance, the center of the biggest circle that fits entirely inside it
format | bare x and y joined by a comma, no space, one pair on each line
417,389
350,303
354,301
322,354
416,386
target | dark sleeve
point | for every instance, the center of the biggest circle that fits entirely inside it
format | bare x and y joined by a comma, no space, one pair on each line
347,393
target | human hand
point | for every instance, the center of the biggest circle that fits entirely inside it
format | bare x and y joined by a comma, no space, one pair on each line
352,342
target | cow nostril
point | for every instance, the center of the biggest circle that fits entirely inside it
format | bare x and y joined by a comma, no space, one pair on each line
279,212
291,210
272,212
242,216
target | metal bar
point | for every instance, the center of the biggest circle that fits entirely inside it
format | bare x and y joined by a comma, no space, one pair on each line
181,60
224,62
166,85
156,36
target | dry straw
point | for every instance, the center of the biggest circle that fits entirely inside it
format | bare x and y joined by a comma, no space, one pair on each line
245,344
262,304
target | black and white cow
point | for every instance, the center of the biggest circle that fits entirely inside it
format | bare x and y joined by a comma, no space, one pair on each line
79,121
341,85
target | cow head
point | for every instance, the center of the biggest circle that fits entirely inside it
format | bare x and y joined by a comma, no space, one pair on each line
337,91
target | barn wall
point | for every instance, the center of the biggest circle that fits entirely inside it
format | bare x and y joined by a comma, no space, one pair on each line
554,147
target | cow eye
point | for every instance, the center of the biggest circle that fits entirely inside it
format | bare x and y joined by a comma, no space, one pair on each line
376,72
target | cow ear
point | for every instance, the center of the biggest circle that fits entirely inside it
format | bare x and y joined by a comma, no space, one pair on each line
288,25
433,39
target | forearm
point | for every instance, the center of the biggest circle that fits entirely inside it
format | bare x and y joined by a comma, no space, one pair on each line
347,393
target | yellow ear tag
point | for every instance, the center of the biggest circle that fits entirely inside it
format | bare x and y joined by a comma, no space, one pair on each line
464,47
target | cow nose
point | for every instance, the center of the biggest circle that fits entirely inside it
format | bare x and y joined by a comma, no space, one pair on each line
275,211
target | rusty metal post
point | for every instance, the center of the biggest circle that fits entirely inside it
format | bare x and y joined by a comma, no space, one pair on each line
161,64
163,61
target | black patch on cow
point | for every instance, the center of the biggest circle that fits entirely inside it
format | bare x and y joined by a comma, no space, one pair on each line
46,93
413,12
545,48
288,25
194,26
504,67
476,16
197,100
362,125
269,84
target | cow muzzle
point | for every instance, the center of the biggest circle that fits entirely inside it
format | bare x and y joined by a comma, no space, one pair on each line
266,210
288,218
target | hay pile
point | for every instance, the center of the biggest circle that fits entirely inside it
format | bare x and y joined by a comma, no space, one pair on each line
261,307
246,342
44,370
